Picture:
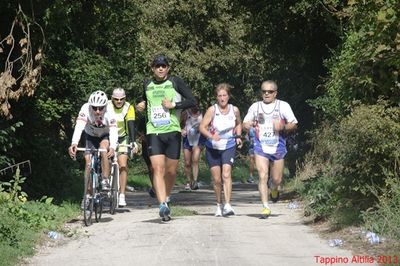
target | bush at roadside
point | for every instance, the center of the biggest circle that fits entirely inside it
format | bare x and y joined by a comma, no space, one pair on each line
353,162
23,222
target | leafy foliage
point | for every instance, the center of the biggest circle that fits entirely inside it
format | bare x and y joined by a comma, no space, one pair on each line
23,221
7,143
383,218
206,41
367,64
363,155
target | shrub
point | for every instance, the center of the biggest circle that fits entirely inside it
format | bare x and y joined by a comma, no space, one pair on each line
347,169
23,222
368,151
384,217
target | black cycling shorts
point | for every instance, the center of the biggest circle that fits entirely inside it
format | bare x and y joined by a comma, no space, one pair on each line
94,142
168,144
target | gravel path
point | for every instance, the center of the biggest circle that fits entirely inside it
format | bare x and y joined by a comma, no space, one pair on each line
136,236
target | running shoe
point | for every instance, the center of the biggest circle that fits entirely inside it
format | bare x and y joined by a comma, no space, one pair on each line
250,180
152,193
121,201
274,194
195,185
165,212
218,212
265,212
105,184
187,187
228,210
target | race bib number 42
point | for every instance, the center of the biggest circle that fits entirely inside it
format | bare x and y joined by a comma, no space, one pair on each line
160,116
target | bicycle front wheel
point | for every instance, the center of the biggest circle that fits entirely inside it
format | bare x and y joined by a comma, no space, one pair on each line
98,207
114,188
88,201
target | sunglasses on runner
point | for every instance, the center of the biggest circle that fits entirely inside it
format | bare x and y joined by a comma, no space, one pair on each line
268,91
118,100
162,66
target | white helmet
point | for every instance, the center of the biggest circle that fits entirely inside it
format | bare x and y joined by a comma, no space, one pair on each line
98,98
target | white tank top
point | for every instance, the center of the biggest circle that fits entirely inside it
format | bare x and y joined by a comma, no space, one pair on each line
223,124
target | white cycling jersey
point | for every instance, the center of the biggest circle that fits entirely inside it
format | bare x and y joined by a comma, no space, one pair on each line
96,126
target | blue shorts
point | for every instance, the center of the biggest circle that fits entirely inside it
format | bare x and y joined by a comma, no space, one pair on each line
187,146
220,157
272,157
251,150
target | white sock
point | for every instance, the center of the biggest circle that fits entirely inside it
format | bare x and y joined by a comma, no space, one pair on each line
265,205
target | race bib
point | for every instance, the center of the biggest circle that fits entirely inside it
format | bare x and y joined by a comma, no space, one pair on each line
160,116
267,133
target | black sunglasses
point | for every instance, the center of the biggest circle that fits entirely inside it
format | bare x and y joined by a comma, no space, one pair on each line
268,91
119,100
162,66
99,108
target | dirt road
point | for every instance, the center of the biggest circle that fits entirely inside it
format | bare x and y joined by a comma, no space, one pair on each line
136,236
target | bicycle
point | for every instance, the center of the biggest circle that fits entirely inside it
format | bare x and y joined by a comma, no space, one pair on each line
92,196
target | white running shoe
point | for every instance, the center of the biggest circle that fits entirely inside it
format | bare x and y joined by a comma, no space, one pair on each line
187,187
228,210
122,201
218,212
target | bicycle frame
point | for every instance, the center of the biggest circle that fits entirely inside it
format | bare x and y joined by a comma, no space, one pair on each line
93,200
114,182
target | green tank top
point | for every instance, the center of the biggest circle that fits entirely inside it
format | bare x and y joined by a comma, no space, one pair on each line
161,120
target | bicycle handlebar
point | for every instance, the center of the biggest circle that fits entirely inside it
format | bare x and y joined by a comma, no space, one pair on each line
125,145
91,149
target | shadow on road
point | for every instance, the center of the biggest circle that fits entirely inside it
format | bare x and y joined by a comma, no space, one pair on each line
241,194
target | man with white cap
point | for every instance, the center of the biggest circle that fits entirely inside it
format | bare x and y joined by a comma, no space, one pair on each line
125,115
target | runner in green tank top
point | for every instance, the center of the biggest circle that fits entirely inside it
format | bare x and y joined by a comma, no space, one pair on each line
164,98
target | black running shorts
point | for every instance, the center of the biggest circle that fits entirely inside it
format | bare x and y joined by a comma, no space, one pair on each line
168,144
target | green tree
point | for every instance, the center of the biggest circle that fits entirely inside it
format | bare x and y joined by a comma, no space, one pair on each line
367,64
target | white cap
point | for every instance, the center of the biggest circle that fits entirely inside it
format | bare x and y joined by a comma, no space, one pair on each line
118,93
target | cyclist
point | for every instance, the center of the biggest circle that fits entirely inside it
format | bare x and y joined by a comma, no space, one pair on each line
220,124
272,119
100,131
193,143
163,98
125,115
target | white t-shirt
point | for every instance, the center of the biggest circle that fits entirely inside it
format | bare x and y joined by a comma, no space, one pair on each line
285,111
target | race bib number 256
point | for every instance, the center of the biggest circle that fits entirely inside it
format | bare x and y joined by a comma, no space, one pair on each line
160,116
